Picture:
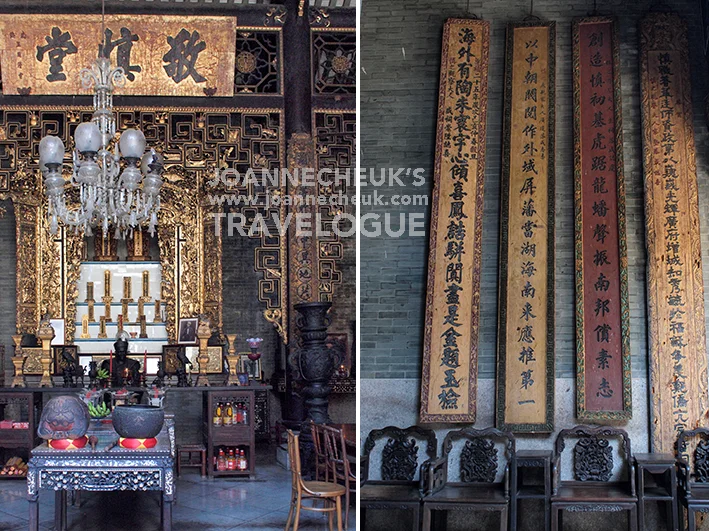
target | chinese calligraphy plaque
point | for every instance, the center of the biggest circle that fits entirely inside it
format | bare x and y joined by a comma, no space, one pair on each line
678,362
449,380
525,357
160,55
603,381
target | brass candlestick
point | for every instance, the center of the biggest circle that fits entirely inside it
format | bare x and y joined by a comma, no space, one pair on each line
203,334
141,308
106,284
233,378
124,309
143,328
45,334
18,360
107,308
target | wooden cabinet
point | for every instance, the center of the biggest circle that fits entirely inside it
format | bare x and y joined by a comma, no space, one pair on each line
236,436
18,409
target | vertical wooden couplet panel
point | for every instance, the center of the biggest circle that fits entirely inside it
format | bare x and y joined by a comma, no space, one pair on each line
603,383
450,357
525,349
678,361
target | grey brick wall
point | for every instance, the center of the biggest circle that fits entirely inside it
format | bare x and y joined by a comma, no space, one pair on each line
400,55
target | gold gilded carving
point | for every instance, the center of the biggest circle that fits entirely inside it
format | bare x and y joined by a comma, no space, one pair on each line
105,247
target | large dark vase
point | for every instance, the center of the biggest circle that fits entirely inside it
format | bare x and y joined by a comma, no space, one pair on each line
138,421
315,361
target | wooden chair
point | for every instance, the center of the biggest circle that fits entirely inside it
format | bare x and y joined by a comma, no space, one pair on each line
338,463
475,484
693,479
311,490
592,489
322,471
400,482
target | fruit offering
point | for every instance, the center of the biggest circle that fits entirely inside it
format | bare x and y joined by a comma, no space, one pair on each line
14,467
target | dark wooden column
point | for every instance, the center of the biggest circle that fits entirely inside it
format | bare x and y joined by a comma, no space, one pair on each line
302,248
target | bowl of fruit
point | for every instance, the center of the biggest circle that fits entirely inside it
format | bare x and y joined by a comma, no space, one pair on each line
98,411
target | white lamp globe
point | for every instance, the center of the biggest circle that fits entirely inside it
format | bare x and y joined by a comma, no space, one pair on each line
51,150
132,143
87,137
151,157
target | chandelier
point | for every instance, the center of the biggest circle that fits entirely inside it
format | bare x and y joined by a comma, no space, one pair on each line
107,196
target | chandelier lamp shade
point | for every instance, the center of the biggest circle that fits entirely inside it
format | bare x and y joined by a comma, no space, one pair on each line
107,196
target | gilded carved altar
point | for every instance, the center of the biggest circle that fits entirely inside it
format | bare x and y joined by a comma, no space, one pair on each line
194,142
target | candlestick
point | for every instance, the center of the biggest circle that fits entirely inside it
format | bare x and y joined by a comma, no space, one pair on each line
141,308
120,325
92,319
156,317
107,283
89,291
102,328
127,288
146,284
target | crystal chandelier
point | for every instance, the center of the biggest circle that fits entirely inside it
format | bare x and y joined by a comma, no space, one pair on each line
107,196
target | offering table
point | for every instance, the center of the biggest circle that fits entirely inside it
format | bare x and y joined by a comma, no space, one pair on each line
107,468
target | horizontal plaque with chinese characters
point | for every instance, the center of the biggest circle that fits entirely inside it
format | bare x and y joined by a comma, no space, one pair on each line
450,357
160,55
603,382
525,348
677,334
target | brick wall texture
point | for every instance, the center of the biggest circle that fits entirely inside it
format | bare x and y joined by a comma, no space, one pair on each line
400,56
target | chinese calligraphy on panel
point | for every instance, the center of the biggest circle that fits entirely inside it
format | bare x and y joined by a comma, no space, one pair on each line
449,379
160,55
525,370
678,362
603,386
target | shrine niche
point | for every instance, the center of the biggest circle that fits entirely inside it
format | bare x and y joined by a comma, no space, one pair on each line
196,141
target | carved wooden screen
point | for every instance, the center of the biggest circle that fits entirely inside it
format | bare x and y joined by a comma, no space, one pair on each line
194,141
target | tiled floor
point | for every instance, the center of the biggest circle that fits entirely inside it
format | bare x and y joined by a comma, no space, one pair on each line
260,503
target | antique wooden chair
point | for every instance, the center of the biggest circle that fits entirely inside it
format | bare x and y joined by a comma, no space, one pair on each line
693,478
400,482
338,463
477,481
321,468
592,490
330,493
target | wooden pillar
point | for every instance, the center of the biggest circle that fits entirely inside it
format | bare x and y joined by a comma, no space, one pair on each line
302,247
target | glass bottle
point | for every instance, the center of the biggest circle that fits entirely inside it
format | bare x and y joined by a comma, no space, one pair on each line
244,463
231,462
217,419
245,415
228,415
221,461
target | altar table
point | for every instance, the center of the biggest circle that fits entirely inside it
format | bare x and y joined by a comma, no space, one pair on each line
102,470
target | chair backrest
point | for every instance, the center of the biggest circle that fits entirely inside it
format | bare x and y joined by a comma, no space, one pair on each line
698,464
400,457
318,439
478,459
593,452
294,459
336,452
